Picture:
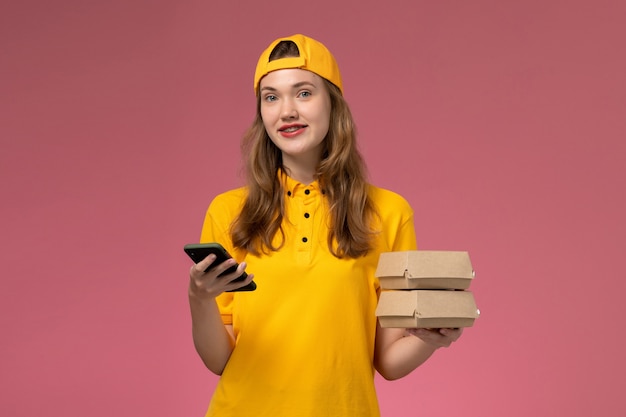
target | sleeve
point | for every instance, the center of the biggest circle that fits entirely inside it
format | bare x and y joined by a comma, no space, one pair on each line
405,235
216,228
217,222
398,227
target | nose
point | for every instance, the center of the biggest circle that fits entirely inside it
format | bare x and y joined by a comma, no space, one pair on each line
288,110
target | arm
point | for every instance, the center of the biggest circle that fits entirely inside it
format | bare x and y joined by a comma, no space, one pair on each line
213,340
399,351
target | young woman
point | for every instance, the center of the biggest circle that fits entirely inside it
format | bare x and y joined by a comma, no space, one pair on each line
308,228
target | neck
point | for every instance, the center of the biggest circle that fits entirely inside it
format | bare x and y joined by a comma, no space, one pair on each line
302,170
301,175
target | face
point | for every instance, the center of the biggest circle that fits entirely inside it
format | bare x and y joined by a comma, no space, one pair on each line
295,108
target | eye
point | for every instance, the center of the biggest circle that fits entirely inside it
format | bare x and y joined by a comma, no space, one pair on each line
305,94
270,97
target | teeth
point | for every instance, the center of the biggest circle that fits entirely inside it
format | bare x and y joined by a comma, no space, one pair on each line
291,129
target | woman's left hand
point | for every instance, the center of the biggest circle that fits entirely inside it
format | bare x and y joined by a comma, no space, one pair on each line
437,338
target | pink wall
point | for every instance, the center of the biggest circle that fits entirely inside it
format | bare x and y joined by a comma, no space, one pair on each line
503,123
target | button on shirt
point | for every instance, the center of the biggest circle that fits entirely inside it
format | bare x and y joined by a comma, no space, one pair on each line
305,208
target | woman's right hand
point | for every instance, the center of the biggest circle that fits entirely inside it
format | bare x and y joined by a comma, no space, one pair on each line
207,285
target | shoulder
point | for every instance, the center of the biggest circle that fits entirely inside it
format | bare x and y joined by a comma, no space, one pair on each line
227,205
222,211
232,199
394,219
388,201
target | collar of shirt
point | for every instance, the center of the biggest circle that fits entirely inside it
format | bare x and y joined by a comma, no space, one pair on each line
295,188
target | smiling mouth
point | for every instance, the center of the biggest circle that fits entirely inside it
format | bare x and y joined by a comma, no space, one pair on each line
292,128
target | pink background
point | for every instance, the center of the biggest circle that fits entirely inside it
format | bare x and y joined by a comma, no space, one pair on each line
503,123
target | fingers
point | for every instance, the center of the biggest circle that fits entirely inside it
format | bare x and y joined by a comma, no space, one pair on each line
210,283
202,267
233,279
437,337
453,334
235,284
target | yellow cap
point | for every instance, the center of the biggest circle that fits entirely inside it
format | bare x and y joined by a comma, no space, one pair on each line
314,57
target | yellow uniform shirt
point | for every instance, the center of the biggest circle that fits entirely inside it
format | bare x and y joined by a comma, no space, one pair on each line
305,337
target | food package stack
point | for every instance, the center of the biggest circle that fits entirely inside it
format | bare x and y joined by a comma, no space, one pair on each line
426,289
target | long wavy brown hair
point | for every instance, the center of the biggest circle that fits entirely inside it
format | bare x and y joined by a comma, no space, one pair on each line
341,173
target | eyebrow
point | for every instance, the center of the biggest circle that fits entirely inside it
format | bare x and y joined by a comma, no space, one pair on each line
296,85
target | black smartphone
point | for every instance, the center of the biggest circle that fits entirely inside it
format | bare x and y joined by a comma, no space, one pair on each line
198,251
